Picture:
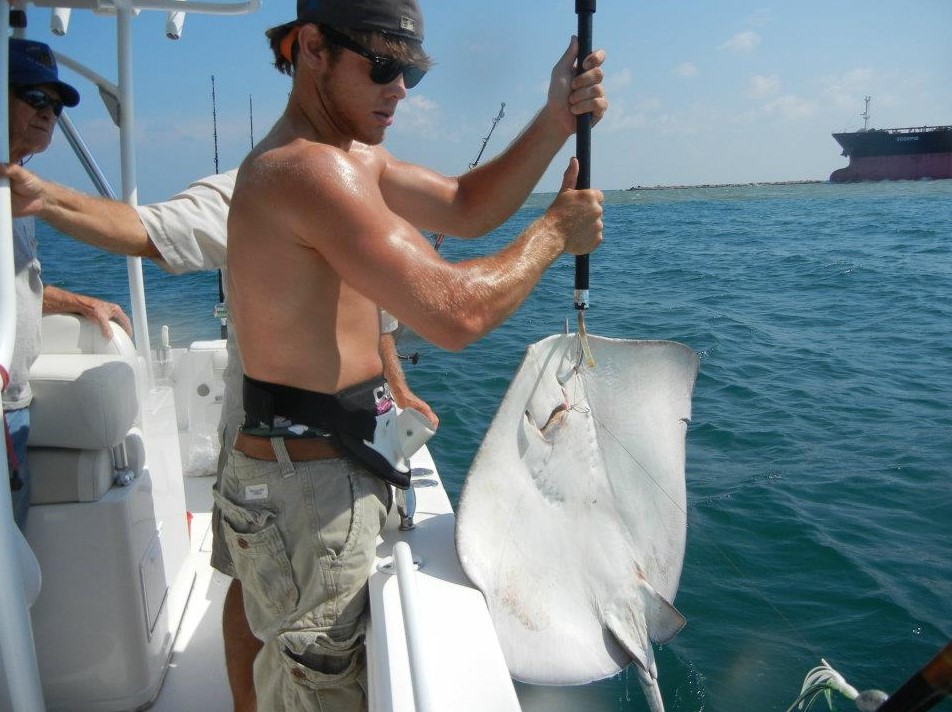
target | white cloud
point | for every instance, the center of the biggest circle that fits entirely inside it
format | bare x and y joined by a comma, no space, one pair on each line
418,114
845,91
741,42
648,115
619,79
783,109
686,70
760,86
622,120
790,108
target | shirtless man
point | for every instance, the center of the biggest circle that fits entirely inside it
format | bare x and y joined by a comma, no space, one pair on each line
185,233
321,231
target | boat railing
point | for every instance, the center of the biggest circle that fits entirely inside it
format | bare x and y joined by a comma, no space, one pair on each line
16,635
17,649
910,129
417,652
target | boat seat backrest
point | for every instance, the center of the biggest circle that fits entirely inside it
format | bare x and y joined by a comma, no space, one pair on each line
84,405
72,334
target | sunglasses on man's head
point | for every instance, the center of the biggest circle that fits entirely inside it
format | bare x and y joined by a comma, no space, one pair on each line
38,99
383,70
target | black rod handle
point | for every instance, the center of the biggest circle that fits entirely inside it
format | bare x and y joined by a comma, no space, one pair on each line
585,9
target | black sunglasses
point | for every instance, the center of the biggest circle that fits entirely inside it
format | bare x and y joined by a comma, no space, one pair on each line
383,70
38,99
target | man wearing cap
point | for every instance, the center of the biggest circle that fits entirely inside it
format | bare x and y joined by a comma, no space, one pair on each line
37,97
321,231
186,233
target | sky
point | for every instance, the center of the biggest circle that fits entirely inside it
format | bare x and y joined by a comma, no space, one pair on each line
700,91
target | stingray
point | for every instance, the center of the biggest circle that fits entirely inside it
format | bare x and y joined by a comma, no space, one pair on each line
572,518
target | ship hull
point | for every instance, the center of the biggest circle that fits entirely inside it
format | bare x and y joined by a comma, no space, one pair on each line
909,167
895,154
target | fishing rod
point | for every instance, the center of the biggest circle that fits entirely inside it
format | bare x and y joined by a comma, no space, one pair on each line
251,122
926,688
220,311
438,239
214,124
585,9
499,116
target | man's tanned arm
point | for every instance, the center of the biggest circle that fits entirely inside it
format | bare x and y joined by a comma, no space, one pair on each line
61,301
107,224
480,200
449,304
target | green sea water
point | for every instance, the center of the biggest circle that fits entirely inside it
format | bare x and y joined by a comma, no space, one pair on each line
819,462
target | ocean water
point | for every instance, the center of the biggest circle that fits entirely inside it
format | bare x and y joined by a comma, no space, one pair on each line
819,457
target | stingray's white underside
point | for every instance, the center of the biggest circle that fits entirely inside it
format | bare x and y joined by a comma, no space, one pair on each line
572,519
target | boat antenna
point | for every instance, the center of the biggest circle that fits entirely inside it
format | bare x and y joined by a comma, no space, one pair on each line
214,124
865,114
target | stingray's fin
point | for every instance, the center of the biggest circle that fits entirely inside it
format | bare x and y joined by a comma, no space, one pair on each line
649,616
637,621
664,620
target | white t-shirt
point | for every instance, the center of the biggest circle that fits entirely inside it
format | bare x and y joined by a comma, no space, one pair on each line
29,295
190,231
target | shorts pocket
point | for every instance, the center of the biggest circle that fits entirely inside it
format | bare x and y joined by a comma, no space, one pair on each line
260,558
317,661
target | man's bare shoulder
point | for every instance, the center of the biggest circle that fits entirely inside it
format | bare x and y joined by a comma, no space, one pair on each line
375,158
297,165
286,186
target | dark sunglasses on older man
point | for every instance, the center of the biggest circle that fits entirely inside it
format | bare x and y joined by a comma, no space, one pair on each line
38,99
383,70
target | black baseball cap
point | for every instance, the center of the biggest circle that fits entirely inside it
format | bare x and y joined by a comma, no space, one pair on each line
32,63
399,18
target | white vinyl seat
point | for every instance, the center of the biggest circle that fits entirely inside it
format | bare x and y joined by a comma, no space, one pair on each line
99,621
84,406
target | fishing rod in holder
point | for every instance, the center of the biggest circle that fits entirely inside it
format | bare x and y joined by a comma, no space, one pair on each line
220,310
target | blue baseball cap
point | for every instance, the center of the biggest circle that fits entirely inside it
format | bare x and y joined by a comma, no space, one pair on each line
33,63
400,18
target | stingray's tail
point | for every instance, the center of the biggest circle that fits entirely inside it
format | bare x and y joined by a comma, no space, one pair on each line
652,691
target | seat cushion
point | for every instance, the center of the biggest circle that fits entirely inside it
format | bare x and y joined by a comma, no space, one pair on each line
72,334
69,475
82,401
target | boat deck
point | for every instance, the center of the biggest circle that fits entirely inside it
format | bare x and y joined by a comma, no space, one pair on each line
196,678
465,668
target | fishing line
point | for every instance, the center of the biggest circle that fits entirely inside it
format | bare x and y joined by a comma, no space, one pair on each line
683,509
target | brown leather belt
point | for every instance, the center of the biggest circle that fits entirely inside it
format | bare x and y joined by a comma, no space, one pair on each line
299,449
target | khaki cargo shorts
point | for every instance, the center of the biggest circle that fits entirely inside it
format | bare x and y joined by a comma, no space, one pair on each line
302,537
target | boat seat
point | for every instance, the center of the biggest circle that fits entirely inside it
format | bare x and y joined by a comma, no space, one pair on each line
72,334
84,407
107,523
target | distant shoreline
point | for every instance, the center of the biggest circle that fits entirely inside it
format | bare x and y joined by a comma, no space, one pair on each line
724,185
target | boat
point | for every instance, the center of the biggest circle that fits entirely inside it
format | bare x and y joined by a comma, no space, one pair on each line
894,154
109,600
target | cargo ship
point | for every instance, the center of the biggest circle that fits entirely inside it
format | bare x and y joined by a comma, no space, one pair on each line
894,154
